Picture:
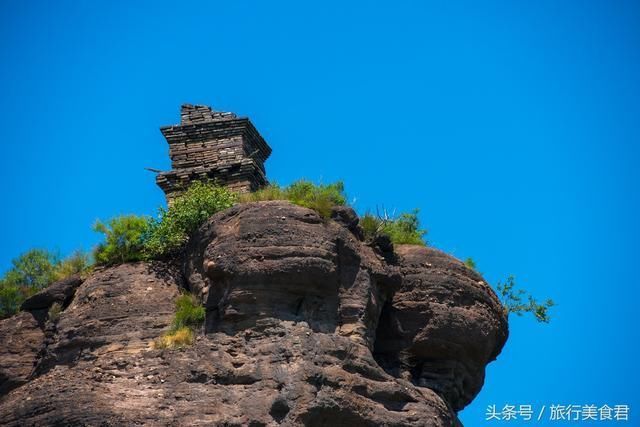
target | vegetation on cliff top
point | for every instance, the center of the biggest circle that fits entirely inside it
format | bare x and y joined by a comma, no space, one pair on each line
33,271
319,197
134,238
124,239
171,230
403,229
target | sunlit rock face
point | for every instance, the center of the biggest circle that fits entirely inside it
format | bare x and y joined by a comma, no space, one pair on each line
305,325
274,261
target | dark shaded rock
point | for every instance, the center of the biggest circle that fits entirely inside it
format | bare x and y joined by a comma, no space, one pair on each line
442,327
347,217
60,292
21,340
297,307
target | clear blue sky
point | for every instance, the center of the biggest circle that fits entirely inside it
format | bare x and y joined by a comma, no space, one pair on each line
514,126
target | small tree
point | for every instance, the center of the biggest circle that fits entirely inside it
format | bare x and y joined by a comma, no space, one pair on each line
519,301
34,269
124,239
31,272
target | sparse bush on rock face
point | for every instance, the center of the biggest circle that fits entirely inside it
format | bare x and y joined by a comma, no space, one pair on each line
171,230
124,239
319,197
519,301
190,315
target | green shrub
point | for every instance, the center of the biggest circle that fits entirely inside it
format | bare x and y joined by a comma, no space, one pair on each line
405,229
519,301
371,226
189,211
124,239
319,197
31,272
189,312
190,315
77,263
470,263
34,269
270,192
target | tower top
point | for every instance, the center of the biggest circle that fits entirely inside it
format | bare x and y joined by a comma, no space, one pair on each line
214,146
193,114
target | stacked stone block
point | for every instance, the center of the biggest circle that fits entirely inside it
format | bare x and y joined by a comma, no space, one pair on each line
213,146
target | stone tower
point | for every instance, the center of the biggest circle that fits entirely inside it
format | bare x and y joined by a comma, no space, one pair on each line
213,146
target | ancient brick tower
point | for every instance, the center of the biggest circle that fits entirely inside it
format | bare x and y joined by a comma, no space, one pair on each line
215,146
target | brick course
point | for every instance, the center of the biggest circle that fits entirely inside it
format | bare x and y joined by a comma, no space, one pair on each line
214,146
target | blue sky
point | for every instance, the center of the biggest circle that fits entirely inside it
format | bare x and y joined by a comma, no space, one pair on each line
513,126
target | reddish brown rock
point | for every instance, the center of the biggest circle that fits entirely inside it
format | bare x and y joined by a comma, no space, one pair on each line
21,340
442,327
305,325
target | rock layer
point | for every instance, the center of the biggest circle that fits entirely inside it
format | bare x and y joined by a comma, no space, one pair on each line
305,325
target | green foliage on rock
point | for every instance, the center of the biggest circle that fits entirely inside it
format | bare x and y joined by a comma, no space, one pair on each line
519,301
470,263
77,263
371,226
189,211
190,315
124,239
319,197
189,312
404,229
33,271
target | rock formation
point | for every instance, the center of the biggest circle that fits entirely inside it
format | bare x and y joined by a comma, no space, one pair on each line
306,325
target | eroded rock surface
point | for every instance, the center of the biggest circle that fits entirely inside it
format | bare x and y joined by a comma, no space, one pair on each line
305,325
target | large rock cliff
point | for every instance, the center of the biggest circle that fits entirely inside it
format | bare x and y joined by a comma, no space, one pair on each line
306,325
